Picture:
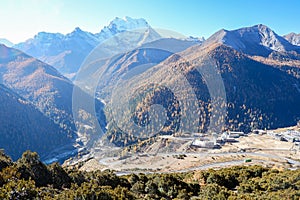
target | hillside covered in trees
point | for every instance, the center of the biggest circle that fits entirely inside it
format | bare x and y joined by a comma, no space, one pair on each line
29,178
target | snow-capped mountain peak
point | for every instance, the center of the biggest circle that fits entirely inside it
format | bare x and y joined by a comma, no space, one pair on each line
6,42
127,23
82,37
77,30
119,25
67,51
47,36
195,39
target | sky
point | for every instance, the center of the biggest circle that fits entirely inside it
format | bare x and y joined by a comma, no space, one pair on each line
22,19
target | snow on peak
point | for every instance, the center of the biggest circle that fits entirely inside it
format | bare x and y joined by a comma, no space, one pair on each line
6,42
194,39
44,36
77,32
119,25
127,23
82,37
77,29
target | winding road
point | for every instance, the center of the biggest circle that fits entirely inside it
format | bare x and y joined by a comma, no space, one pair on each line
294,163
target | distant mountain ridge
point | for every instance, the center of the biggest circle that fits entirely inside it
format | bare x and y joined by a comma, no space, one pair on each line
135,60
293,38
256,40
6,42
67,52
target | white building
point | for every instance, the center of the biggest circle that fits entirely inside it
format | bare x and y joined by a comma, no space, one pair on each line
203,144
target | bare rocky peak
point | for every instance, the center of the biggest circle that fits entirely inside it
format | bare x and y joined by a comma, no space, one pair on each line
293,38
255,40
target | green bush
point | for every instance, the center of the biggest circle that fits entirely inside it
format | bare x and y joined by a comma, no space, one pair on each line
29,178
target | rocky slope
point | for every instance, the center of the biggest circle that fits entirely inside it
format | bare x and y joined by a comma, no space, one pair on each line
256,40
293,38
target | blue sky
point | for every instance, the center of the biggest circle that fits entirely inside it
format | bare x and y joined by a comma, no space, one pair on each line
22,19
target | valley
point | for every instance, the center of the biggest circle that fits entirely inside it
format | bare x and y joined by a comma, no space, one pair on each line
107,100
135,96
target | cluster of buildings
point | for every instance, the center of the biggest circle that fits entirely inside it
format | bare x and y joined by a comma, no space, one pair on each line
214,140
289,136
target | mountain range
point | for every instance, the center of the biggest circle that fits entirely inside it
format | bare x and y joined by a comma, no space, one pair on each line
251,87
259,69
67,52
